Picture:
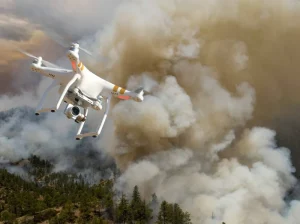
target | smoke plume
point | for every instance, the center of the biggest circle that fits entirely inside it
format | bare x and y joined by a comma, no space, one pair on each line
219,76
220,70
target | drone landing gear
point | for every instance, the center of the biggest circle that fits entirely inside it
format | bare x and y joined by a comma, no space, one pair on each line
39,108
79,136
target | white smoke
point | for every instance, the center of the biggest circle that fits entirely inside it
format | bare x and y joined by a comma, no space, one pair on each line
189,141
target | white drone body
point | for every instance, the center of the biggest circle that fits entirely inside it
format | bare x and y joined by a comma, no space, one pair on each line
80,89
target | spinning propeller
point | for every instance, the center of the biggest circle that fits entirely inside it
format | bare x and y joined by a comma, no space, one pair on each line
84,50
66,44
44,62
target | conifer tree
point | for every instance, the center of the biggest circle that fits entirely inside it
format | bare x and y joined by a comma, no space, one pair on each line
67,212
146,213
135,204
108,198
7,216
41,202
163,213
172,214
123,210
178,216
140,211
154,199
186,218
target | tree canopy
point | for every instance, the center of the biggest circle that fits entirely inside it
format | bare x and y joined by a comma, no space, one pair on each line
66,198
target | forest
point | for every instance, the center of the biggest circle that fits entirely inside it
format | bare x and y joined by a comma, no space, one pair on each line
66,198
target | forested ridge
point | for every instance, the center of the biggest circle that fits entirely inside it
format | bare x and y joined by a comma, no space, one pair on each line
66,198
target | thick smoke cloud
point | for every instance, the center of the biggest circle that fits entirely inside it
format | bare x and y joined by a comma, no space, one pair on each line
219,75
14,28
221,69
71,19
23,134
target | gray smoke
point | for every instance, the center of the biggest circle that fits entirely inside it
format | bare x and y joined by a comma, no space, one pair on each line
197,139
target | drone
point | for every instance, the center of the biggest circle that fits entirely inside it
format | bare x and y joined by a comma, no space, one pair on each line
80,89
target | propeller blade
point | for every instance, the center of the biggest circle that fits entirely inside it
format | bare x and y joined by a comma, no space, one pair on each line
61,41
26,53
46,63
58,39
148,83
86,51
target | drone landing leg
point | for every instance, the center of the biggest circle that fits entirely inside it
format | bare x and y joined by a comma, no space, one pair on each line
81,124
41,110
40,104
65,91
95,134
104,117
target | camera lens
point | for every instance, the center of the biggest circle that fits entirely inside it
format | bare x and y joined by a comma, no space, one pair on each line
75,111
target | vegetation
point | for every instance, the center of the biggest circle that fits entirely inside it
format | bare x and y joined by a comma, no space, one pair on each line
63,198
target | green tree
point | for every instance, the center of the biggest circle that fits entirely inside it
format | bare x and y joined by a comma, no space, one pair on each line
178,216
44,215
135,204
67,213
123,213
7,216
154,199
145,213
97,220
163,213
172,214
186,218
84,208
39,201
166,213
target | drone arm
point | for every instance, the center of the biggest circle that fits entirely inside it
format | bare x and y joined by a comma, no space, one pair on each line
124,94
51,72
56,70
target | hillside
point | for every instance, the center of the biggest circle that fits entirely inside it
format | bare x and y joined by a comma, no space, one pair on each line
66,198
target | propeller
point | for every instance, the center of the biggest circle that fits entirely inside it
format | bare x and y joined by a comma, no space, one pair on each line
46,63
144,82
66,42
84,50
148,83
58,39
